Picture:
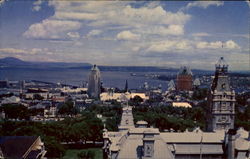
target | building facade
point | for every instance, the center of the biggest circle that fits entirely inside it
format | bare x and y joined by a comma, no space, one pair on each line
94,83
142,142
223,142
184,79
221,100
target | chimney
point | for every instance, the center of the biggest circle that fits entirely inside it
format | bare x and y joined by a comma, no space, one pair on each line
231,144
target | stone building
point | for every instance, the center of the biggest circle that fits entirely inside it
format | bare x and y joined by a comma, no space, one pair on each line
221,100
94,83
221,142
142,142
184,79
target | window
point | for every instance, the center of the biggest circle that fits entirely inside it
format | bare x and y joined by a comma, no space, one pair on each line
223,86
223,119
223,105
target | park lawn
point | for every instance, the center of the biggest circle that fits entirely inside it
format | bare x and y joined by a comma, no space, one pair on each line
72,153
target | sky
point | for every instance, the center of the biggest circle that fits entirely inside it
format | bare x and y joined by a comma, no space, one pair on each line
127,33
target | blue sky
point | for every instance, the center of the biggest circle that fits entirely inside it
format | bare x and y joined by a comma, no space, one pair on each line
160,33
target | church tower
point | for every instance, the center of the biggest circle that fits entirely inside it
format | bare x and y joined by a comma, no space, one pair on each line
221,100
94,83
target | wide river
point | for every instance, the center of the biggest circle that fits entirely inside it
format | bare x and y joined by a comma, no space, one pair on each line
78,76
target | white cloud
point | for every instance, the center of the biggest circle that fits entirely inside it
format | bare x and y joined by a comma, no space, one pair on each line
230,44
169,45
157,31
38,2
37,5
186,45
127,35
248,2
12,50
163,30
203,4
75,16
73,35
145,16
36,8
201,34
51,29
94,32
21,51
104,14
2,2
108,12
217,45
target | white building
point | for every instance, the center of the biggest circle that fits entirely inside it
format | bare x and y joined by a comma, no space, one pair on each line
121,97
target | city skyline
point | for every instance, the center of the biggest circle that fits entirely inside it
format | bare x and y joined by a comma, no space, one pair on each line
161,33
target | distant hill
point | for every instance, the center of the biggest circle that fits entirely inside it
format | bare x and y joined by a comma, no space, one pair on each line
13,62
10,61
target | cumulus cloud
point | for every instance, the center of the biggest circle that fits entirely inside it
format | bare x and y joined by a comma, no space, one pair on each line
37,5
201,34
189,46
169,45
73,35
203,4
51,29
163,30
248,3
119,13
230,44
156,30
127,35
75,16
2,2
155,15
94,32
103,14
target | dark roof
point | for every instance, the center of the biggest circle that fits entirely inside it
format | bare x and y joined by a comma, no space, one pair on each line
185,71
33,154
16,146
95,68
221,63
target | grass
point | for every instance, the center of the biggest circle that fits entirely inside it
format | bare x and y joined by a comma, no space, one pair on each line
72,153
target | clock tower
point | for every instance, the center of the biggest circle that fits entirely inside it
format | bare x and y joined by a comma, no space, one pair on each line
221,100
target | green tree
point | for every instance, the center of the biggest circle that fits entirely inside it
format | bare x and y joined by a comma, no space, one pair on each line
15,111
67,108
135,101
53,147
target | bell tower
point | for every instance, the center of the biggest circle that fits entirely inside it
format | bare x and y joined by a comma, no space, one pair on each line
221,100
